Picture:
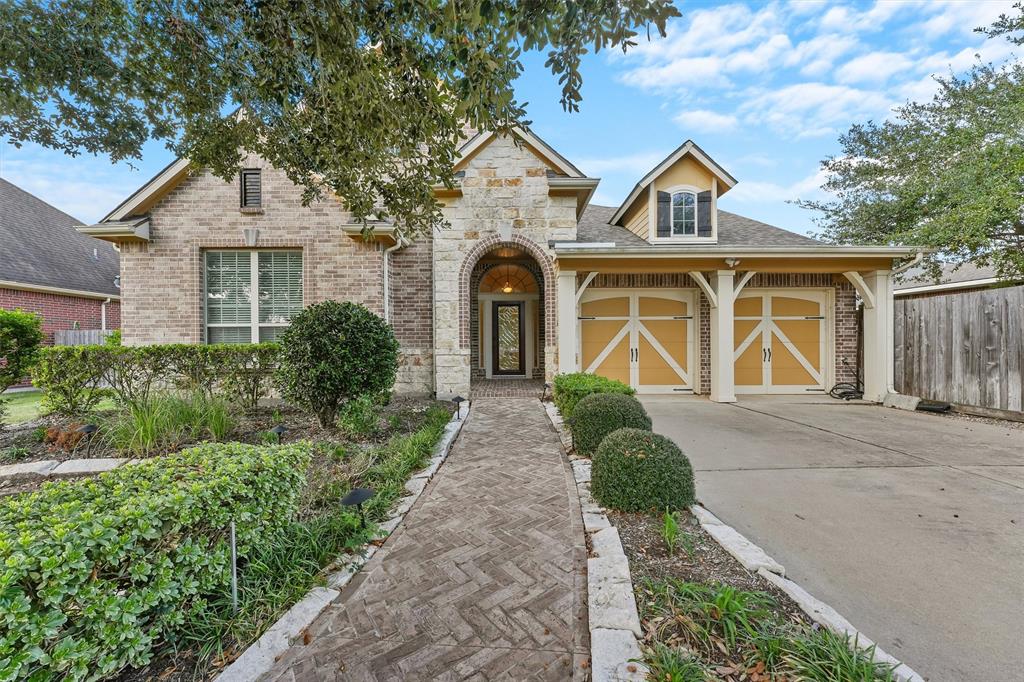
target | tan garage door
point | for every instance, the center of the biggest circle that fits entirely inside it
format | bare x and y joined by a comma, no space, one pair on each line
641,337
781,339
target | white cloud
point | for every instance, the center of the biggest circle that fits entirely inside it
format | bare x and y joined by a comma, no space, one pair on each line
704,120
960,16
816,56
846,19
761,191
874,67
812,109
633,164
87,197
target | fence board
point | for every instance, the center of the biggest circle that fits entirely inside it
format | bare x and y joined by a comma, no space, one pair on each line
965,348
79,337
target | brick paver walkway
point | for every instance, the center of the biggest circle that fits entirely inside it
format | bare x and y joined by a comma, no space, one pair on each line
484,580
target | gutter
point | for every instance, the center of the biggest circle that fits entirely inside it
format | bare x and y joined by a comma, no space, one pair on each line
906,266
610,250
43,289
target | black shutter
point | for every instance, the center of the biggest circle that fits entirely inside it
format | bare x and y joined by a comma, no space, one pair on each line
252,195
704,214
664,214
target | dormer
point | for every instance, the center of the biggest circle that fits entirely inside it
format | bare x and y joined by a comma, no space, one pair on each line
677,202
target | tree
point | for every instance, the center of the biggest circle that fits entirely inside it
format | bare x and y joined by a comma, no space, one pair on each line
20,336
364,100
333,352
946,174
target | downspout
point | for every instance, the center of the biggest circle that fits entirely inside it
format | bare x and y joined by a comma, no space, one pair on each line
906,266
401,243
103,314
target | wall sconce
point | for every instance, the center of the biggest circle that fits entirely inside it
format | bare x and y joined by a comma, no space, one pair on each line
250,235
732,262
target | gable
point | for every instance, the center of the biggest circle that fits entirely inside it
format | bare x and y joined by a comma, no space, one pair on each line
555,162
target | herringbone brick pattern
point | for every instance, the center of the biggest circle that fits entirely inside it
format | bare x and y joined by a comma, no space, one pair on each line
484,580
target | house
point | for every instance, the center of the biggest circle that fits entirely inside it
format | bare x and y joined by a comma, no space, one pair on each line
665,291
48,268
916,282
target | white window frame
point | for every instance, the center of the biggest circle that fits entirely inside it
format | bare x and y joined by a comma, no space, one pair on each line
672,205
652,212
254,299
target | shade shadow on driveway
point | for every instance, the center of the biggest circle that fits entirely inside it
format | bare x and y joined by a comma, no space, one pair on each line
910,524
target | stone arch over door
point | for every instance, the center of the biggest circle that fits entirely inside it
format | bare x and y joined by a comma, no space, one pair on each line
546,269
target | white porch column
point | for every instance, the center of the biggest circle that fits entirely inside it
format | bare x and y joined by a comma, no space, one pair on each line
567,321
878,336
722,345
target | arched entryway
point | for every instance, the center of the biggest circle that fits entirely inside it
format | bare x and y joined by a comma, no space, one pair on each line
507,292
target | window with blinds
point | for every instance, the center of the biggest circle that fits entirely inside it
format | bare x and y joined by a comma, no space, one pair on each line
252,191
251,296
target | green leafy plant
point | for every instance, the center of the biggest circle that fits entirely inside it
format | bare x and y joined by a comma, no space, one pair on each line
14,453
636,470
113,338
668,664
21,334
95,572
598,414
768,645
165,420
333,352
569,389
672,534
360,417
824,656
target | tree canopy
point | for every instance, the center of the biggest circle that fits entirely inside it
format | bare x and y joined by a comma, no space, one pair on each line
363,100
946,174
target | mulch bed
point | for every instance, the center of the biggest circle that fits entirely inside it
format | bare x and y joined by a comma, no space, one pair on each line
708,563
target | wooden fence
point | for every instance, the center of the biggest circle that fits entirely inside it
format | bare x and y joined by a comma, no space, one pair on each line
79,337
964,348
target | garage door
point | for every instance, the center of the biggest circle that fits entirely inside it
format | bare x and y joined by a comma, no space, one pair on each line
641,337
780,338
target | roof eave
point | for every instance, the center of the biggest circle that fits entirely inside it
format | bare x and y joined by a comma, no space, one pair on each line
813,251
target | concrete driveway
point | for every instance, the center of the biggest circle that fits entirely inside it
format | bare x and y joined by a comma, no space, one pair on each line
910,525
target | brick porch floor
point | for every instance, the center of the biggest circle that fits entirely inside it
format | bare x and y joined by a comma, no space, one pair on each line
484,580
507,388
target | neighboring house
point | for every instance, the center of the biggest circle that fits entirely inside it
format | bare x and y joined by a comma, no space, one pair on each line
47,267
664,292
959,340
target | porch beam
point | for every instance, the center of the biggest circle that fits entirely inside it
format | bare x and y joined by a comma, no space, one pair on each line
723,389
705,286
586,282
878,335
567,321
747,276
862,288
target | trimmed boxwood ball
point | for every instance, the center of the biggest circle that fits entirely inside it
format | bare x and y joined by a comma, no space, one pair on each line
637,471
599,414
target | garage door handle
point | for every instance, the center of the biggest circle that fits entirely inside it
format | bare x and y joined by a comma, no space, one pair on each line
586,318
815,317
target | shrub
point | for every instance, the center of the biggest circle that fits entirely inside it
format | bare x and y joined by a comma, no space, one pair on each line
636,470
76,378
333,352
360,417
113,338
598,414
165,420
20,336
572,388
94,572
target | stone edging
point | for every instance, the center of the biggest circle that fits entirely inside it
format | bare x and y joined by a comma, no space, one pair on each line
51,468
614,622
756,559
261,655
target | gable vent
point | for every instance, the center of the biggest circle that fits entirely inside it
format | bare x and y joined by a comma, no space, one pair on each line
252,195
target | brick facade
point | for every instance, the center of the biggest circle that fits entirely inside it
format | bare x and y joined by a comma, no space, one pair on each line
61,311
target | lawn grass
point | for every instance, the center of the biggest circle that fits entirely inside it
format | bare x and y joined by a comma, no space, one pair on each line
22,406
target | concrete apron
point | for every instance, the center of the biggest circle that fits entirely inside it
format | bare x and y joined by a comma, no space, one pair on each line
909,524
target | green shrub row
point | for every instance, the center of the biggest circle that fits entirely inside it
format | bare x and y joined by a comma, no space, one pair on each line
20,336
76,378
94,572
569,389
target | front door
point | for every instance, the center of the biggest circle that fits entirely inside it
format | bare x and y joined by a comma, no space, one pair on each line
508,340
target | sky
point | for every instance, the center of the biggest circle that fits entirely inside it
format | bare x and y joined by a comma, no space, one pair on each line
765,88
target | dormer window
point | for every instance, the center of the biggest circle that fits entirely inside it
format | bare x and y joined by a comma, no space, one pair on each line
684,214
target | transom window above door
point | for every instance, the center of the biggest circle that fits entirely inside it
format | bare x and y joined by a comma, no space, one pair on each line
233,313
508,279
684,214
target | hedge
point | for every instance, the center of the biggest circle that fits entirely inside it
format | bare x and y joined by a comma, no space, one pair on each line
76,378
635,471
598,414
93,573
572,388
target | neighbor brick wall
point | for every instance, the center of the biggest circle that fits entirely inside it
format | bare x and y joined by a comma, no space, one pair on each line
161,282
60,311
845,315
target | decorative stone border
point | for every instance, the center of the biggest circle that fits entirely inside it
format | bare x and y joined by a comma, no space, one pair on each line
264,652
614,650
611,606
756,559
51,468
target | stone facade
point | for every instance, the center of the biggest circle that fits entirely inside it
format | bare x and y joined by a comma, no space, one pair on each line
504,202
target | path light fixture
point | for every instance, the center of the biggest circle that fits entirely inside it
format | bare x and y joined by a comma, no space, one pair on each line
87,431
279,431
458,400
544,395
356,497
